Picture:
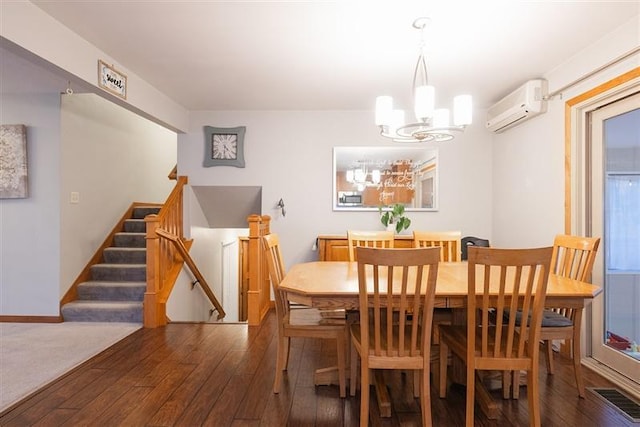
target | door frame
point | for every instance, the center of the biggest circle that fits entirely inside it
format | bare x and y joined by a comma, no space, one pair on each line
607,355
577,219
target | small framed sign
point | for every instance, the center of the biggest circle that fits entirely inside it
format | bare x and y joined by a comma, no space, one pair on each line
112,80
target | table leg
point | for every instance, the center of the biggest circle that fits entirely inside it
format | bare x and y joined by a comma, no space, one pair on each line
329,376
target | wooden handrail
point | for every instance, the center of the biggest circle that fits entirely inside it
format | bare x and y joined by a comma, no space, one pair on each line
163,263
182,250
174,173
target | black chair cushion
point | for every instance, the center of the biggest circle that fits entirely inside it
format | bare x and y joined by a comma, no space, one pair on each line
549,319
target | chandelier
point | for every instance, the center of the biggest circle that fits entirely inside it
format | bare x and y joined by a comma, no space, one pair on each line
361,177
431,124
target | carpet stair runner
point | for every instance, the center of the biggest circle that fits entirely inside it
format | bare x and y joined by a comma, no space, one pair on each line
116,289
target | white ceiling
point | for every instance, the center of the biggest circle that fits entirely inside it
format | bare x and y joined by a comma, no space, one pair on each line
335,55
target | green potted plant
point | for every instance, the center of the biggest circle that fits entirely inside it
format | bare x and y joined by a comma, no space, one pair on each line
394,218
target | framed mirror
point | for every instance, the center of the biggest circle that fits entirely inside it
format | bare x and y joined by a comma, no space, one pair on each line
365,178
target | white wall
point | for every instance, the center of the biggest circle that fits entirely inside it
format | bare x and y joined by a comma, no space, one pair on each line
112,158
26,25
290,154
30,228
190,304
528,160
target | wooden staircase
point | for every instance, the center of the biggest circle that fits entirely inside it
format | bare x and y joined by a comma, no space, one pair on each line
116,287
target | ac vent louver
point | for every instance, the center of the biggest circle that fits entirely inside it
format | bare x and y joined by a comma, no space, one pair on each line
522,104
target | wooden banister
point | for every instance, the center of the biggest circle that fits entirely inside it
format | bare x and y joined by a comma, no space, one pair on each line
259,295
163,261
174,173
184,253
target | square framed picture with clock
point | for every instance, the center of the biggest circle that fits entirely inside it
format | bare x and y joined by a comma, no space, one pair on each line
224,146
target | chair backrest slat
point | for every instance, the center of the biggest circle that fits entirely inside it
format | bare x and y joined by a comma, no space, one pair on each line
389,281
513,280
275,264
448,241
573,256
368,239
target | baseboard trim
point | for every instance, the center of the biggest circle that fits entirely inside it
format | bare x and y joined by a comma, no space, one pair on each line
631,387
30,319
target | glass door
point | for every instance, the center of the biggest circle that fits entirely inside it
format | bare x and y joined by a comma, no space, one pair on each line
615,216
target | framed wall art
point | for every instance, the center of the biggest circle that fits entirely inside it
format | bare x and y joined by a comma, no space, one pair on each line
224,146
13,162
111,80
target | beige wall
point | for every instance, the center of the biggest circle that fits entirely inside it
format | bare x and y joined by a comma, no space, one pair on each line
112,158
528,160
290,154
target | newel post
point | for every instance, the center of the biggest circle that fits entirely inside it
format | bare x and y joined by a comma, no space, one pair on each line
154,312
257,296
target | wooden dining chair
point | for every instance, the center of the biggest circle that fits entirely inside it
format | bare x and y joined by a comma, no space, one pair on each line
499,280
368,239
573,257
448,241
450,250
388,280
300,322
472,241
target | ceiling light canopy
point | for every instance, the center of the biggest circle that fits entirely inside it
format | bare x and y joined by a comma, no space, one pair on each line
432,124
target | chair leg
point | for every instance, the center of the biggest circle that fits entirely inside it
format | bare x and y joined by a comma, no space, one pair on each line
548,346
286,353
515,384
281,362
425,394
444,355
417,378
435,371
577,321
353,370
471,398
342,380
364,392
577,368
507,383
533,396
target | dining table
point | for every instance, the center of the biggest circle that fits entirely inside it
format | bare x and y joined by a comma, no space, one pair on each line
334,285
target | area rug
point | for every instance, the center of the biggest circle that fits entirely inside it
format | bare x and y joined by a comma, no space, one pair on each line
34,354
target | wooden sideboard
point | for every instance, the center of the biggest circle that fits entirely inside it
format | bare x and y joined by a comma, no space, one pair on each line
336,247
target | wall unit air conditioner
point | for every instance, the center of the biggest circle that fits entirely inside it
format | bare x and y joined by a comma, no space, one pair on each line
522,104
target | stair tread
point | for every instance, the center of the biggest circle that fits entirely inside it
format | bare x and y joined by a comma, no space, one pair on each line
103,304
112,283
105,298
124,248
114,265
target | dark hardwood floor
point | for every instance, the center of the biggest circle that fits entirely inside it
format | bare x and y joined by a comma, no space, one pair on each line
221,375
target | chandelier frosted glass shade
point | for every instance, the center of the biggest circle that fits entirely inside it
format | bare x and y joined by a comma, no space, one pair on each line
432,124
363,178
